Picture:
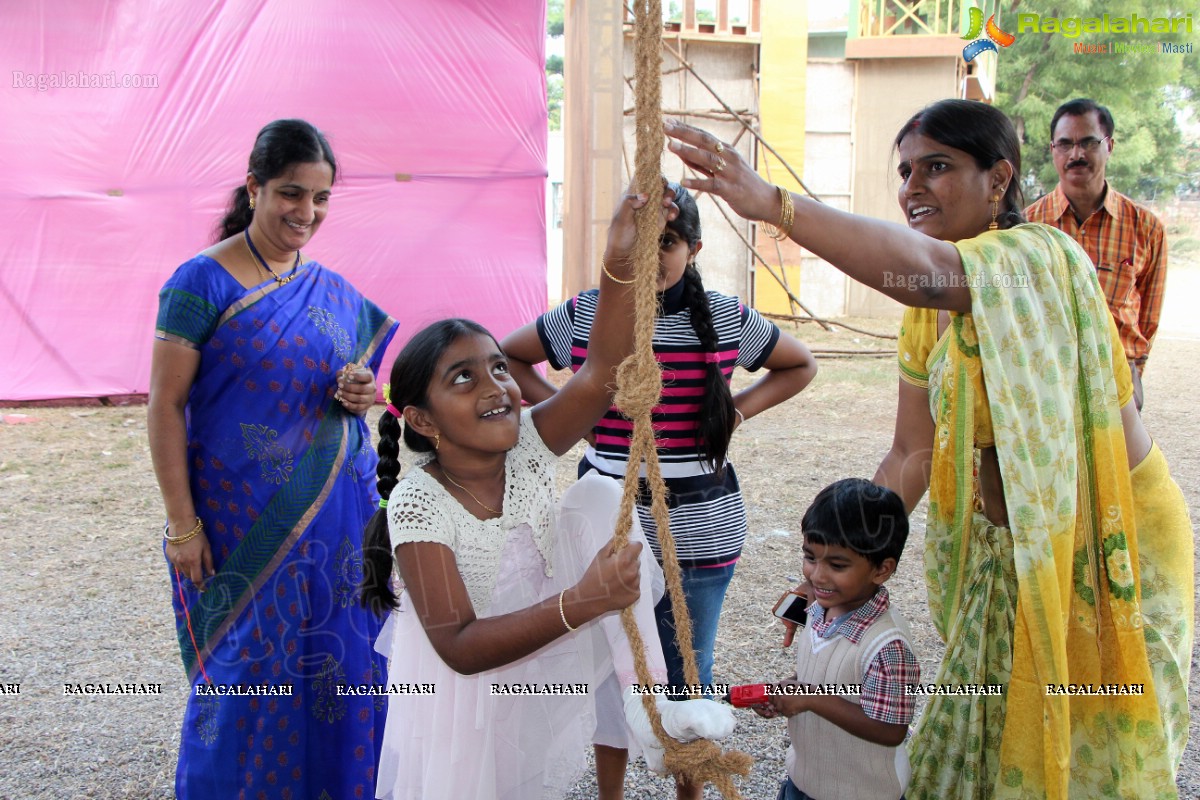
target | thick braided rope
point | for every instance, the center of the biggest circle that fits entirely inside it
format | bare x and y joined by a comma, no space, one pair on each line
639,385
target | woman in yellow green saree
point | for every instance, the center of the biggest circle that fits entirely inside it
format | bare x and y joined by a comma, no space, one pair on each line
1058,551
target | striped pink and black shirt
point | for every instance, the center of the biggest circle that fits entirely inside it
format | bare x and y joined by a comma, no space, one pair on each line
708,518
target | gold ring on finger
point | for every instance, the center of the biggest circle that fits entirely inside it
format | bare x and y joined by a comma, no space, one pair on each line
720,165
720,148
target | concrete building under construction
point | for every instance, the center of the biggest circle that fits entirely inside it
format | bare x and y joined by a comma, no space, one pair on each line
811,92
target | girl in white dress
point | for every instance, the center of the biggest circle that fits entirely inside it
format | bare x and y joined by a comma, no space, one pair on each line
492,654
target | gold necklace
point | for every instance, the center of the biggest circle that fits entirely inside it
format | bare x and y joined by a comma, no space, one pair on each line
279,279
486,507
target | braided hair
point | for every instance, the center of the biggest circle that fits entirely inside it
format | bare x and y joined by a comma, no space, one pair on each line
716,404
411,374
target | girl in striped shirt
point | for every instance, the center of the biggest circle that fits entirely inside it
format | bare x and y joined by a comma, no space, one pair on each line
699,338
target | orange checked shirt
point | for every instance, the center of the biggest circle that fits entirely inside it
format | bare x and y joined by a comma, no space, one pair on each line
1128,245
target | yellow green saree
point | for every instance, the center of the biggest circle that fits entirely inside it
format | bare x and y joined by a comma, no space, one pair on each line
1082,608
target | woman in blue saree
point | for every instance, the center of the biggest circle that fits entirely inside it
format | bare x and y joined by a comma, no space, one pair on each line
262,370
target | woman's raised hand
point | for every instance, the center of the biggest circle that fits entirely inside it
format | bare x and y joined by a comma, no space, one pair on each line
725,173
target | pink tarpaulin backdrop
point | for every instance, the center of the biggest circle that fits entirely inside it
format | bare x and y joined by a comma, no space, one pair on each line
109,188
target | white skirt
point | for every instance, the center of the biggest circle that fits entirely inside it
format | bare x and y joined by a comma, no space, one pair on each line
463,741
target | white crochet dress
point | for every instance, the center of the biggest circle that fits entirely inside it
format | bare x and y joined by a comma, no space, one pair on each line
463,741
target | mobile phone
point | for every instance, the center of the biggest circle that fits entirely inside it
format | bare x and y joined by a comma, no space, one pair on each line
792,608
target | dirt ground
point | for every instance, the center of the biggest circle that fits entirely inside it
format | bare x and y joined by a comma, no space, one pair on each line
84,594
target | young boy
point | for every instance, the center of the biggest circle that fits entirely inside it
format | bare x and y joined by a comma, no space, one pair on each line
846,746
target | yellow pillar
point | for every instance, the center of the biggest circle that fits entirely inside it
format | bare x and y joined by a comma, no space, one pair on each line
783,73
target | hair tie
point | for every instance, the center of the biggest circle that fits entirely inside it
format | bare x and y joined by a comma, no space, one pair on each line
712,358
383,503
395,412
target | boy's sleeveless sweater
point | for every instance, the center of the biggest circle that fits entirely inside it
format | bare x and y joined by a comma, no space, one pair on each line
824,761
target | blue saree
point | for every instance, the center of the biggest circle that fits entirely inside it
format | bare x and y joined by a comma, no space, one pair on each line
284,480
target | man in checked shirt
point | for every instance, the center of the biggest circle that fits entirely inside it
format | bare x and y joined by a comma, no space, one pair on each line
1125,241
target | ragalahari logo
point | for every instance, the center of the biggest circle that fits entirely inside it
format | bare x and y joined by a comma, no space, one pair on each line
994,37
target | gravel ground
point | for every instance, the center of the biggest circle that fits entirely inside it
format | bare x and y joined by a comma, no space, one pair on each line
85,595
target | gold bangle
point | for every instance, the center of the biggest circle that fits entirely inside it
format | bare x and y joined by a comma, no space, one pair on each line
561,613
787,216
613,278
787,213
187,537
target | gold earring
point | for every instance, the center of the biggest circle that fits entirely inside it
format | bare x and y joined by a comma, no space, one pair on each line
251,202
437,441
995,210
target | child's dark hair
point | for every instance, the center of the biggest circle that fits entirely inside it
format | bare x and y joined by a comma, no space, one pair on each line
411,375
279,145
981,131
716,404
862,516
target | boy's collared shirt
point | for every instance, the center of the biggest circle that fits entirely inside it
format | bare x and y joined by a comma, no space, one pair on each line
894,667
1127,245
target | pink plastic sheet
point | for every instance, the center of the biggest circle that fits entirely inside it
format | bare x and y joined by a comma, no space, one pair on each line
110,187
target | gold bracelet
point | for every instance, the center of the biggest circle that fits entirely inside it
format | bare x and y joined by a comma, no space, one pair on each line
614,279
787,216
187,537
563,614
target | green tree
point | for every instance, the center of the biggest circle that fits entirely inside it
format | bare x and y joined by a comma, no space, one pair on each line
555,21
554,100
554,18
1040,71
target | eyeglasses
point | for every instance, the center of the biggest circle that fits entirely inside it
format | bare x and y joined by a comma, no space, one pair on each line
1088,144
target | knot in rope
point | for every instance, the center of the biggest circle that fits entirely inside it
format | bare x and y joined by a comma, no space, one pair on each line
639,384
